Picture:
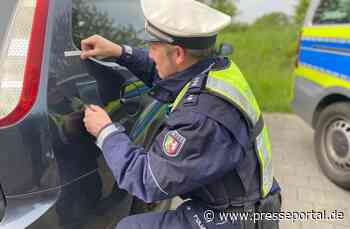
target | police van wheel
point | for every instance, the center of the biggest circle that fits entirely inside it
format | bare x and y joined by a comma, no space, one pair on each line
332,143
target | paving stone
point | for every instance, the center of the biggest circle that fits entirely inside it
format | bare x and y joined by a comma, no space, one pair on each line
295,158
300,181
342,227
321,182
290,192
293,205
337,198
311,195
309,170
277,157
284,170
317,225
290,225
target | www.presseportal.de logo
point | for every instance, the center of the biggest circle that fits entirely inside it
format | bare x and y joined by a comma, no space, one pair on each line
225,217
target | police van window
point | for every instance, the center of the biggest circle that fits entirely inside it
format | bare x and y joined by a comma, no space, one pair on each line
6,11
333,12
120,21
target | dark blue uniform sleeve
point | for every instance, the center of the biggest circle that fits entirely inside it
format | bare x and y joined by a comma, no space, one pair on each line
138,62
192,150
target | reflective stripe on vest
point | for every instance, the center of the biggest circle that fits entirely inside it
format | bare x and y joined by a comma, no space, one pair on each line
230,85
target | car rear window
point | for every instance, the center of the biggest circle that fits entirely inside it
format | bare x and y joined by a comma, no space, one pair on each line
333,12
121,21
6,10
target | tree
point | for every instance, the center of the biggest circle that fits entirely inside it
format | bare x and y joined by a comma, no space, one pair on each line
300,11
89,21
225,6
272,19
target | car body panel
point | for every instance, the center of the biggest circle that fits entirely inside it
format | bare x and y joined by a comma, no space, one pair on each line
52,173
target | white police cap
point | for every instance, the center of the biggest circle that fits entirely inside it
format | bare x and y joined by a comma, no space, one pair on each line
188,23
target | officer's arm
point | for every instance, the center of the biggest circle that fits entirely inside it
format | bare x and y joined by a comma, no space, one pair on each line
191,151
138,62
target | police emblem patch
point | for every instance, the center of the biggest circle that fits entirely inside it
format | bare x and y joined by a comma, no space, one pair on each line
173,143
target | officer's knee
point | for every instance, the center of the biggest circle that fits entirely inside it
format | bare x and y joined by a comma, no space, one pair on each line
125,223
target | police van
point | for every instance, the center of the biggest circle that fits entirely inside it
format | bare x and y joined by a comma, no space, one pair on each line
322,85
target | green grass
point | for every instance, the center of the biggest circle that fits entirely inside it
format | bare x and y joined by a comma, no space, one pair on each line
265,55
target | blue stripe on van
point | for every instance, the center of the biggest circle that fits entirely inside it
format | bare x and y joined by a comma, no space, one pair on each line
338,44
333,62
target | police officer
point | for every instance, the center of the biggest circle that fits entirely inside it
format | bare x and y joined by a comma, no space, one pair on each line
213,150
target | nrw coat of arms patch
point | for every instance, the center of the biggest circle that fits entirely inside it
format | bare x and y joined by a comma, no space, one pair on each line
173,143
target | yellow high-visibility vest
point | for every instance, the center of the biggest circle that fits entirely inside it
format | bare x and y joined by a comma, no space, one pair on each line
230,85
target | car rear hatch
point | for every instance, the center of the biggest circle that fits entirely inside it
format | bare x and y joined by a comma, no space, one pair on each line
22,39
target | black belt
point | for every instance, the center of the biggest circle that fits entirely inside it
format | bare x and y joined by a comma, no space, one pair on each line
270,204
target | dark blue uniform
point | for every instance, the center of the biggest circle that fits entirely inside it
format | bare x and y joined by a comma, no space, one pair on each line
194,156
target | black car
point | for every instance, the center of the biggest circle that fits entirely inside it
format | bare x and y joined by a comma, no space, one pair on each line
52,175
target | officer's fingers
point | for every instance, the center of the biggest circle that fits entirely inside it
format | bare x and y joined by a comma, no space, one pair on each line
88,112
86,45
89,46
89,42
87,128
89,53
95,107
90,107
86,123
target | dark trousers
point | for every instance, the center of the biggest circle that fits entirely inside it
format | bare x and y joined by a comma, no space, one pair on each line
193,215
188,215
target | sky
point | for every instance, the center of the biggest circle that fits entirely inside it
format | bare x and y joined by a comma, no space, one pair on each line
249,10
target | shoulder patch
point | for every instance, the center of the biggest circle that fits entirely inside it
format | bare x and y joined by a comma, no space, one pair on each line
173,143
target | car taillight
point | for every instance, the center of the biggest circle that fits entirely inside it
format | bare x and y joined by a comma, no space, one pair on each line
21,59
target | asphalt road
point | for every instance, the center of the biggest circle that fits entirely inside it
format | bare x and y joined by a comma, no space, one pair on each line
304,187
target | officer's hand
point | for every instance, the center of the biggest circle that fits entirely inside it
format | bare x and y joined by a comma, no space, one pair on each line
98,46
95,119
